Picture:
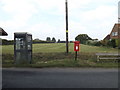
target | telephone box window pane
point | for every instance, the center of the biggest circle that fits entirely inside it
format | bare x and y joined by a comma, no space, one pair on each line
18,55
29,56
20,43
29,38
29,47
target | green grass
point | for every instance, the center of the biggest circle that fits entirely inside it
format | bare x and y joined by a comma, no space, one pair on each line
48,48
59,47
65,63
53,55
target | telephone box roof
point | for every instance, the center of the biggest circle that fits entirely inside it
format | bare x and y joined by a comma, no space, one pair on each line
22,33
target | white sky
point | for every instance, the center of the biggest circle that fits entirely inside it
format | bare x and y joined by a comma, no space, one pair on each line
46,18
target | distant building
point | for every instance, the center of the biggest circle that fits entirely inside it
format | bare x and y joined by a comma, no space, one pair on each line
2,32
115,33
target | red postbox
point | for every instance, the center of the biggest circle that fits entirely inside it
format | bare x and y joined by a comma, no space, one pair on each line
76,46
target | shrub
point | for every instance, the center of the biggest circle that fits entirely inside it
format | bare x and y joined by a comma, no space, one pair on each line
104,42
112,43
118,43
98,43
94,43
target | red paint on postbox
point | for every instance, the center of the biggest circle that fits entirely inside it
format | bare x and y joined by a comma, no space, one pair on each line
76,46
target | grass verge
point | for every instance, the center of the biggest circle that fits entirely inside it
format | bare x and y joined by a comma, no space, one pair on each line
65,63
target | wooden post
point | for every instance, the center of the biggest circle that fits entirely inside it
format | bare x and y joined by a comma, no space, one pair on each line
67,47
76,56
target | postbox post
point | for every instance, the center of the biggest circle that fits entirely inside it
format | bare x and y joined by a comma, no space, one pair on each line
76,48
75,55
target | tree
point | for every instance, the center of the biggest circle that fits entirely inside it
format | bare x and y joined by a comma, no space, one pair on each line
83,38
7,42
48,39
58,41
53,40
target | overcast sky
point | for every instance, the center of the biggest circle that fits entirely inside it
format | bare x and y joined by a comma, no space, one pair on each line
46,18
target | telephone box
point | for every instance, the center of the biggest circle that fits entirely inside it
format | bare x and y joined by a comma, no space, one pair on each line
22,48
76,46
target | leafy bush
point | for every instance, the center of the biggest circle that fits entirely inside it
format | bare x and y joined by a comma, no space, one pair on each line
118,43
112,43
94,43
104,42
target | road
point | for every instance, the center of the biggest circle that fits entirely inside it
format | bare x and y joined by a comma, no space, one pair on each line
60,78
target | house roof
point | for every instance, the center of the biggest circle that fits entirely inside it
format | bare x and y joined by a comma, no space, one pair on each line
107,37
2,32
116,27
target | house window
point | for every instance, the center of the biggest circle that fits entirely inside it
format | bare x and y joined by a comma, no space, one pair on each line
116,33
113,33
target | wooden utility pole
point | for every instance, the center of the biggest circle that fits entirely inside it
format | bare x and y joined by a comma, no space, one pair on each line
67,47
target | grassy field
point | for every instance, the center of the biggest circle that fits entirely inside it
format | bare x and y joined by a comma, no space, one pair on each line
60,47
53,55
